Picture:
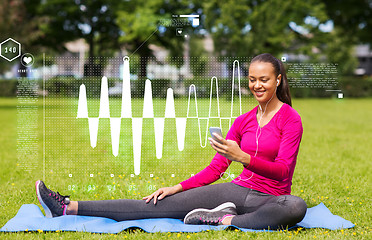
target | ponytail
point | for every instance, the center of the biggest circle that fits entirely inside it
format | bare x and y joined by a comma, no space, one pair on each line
282,92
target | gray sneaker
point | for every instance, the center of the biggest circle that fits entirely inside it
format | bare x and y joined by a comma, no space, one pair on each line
54,204
214,216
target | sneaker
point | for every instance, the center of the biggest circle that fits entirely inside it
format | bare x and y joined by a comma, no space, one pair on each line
54,204
211,217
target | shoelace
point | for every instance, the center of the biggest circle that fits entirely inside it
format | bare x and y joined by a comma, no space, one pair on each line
211,221
60,198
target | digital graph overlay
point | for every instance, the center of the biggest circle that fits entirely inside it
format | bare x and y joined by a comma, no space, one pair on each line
148,112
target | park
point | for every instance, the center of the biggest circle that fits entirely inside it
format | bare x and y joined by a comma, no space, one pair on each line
76,115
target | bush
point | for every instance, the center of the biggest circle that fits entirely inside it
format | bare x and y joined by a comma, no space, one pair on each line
68,86
203,86
159,87
310,93
356,86
350,86
8,88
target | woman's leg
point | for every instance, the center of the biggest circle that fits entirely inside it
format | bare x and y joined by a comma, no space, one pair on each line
255,209
262,211
174,206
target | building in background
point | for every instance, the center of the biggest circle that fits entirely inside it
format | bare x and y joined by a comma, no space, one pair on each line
364,55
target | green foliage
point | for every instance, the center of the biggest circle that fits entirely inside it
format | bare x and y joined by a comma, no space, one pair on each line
92,20
8,88
138,20
20,21
142,24
246,28
356,86
353,17
67,86
340,51
159,88
61,86
238,27
351,87
198,56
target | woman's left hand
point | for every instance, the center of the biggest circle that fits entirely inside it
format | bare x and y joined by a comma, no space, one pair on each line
229,149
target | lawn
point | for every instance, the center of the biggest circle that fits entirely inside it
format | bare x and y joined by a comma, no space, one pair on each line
333,164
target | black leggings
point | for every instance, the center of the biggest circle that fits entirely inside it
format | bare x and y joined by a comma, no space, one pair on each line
256,210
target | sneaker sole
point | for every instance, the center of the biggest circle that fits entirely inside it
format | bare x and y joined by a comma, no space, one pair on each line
220,207
48,213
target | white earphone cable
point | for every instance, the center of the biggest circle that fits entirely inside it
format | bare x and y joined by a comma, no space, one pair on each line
258,131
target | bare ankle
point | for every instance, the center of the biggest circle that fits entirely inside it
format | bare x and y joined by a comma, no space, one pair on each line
72,208
227,220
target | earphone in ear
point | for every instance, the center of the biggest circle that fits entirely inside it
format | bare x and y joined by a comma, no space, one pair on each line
277,82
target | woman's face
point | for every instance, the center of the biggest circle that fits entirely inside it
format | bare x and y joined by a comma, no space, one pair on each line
262,81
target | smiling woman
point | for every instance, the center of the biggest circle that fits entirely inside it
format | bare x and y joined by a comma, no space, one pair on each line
265,72
264,140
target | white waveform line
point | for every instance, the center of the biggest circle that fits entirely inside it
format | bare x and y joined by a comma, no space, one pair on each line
82,105
126,109
192,88
232,90
104,107
148,112
115,124
137,140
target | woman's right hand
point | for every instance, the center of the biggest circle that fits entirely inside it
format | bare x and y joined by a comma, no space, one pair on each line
163,192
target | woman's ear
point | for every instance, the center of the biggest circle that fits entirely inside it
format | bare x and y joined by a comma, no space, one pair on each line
278,80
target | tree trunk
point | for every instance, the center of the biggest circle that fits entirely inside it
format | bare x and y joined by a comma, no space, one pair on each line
143,66
91,69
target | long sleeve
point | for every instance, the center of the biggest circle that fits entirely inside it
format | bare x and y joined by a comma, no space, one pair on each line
208,175
281,167
217,167
273,150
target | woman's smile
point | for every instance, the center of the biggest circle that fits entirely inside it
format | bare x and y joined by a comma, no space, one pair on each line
260,93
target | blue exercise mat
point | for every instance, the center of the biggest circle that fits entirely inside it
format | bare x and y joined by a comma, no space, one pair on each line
30,218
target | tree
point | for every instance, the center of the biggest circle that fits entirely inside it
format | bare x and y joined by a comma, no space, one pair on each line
18,20
354,18
352,22
341,51
198,55
93,20
142,23
176,55
245,28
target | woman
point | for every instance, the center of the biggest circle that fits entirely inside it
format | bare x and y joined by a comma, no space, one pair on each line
264,140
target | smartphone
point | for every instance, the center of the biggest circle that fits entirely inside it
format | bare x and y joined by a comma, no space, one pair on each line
215,130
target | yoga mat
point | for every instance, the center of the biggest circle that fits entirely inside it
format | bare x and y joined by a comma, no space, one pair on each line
30,218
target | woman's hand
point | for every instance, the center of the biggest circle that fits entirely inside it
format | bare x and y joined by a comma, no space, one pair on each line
229,149
163,192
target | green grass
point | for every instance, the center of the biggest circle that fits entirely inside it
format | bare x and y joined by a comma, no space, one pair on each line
333,166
